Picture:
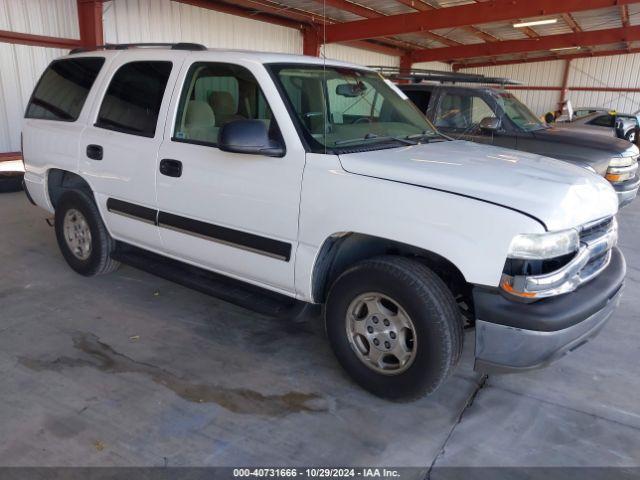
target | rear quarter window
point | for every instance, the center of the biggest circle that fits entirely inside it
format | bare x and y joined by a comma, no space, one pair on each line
63,88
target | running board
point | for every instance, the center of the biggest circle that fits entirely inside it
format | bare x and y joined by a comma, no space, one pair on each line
233,291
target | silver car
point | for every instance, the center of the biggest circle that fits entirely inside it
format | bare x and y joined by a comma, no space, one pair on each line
604,123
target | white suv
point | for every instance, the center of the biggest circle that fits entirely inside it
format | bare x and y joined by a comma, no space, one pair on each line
280,181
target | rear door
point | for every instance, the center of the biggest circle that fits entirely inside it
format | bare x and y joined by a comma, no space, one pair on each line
119,147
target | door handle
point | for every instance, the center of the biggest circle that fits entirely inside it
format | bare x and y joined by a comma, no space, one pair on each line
95,152
171,168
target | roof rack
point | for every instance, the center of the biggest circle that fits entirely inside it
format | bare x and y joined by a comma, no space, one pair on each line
416,75
126,46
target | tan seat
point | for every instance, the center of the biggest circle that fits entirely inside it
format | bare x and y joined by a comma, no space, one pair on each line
224,107
200,121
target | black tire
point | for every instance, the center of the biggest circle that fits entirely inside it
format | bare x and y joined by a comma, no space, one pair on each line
432,309
99,260
631,136
11,181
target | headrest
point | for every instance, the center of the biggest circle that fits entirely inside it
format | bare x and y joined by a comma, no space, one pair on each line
222,103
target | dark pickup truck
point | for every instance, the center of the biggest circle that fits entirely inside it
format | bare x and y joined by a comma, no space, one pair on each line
492,115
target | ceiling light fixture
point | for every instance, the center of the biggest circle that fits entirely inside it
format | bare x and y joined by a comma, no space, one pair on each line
564,48
533,23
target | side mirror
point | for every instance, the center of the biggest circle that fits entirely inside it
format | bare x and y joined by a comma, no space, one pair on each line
249,137
490,124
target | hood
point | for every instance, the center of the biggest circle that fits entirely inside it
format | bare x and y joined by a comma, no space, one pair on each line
570,136
557,193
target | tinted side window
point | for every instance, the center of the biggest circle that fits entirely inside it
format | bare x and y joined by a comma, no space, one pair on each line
63,89
215,94
132,102
603,121
462,112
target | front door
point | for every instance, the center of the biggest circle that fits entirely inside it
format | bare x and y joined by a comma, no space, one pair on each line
232,213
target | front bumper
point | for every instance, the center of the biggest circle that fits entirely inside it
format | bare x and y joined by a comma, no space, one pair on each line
514,336
627,191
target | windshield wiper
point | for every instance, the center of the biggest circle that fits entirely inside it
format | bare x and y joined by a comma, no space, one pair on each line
428,136
379,138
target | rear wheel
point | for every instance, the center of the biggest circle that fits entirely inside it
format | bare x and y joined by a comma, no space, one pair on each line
394,326
82,236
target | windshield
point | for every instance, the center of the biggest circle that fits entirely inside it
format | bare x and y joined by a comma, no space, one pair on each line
344,108
519,114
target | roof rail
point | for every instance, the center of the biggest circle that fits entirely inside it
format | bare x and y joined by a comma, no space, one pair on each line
417,75
126,46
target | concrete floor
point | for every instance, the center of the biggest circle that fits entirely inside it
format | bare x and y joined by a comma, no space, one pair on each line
132,370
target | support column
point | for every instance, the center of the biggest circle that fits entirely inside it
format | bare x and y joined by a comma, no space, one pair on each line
310,42
405,65
565,84
90,22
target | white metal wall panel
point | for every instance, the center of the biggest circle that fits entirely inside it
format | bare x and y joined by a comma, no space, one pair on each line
20,69
440,66
53,18
538,73
356,55
20,65
129,21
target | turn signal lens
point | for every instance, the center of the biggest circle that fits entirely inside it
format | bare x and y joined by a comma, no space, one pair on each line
506,285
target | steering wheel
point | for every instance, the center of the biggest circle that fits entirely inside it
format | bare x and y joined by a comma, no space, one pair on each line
362,120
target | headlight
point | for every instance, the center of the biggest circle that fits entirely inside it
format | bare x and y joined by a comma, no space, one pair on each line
622,161
621,169
542,246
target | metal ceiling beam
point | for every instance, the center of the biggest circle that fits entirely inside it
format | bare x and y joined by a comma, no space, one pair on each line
565,40
571,22
602,53
423,7
366,12
460,16
38,40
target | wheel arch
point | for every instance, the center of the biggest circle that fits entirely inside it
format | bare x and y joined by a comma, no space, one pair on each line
60,181
341,250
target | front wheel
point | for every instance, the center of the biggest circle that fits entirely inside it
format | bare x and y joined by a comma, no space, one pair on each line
394,326
82,236
631,136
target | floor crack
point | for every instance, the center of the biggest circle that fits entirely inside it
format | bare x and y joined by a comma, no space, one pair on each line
481,384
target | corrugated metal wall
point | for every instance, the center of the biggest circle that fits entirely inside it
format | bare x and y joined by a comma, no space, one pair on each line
621,71
128,21
440,66
21,66
357,55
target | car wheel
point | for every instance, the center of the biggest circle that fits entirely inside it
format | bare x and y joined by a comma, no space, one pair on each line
394,326
631,136
82,236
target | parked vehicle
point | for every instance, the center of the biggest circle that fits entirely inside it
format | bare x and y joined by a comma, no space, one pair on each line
279,182
606,123
491,115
